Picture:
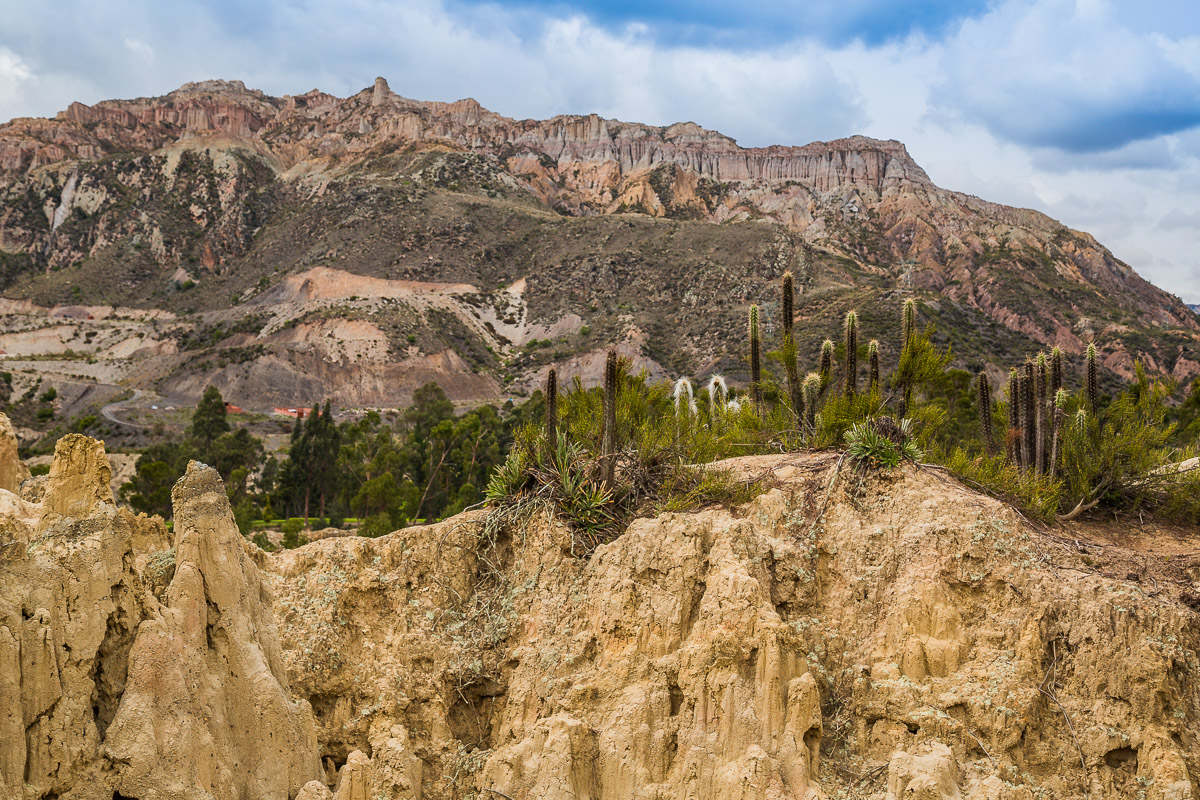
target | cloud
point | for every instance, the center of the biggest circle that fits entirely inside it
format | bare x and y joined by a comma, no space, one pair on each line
13,76
1067,74
751,26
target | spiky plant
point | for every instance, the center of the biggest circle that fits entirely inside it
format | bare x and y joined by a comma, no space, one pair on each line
1056,428
908,323
787,309
873,363
1014,416
1028,416
812,390
552,408
985,411
1056,371
683,397
789,348
850,368
755,361
826,368
1092,384
609,438
1041,377
718,392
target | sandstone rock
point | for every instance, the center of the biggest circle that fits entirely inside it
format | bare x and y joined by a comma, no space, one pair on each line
79,477
72,595
929,775
206,711
12,471
314,790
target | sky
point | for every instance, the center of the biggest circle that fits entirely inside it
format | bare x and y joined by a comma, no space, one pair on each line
1088,110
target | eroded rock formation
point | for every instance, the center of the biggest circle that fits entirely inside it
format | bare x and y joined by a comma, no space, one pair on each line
892,637
131,667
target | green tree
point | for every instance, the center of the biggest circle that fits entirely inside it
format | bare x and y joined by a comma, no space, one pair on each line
208,421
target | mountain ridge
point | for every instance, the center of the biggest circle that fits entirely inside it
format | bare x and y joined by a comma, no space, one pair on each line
131,203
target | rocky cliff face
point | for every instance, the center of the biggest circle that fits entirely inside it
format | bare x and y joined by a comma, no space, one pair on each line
202,202
131,667
842,636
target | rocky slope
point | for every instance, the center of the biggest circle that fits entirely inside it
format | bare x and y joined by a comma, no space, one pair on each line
841,636
289,249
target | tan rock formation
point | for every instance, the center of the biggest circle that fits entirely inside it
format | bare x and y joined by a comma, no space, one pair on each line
206,713
911,640
914,642
132,668
12,471
79,477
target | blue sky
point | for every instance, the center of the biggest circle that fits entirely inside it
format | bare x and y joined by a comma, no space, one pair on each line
1086,109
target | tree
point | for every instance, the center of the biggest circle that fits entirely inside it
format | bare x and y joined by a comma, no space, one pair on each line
209,422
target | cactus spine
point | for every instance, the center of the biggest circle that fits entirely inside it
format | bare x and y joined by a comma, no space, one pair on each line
789,349
609,437
552,409
812,388
873,364
755,362
851,365
985,411
1092,383
826,369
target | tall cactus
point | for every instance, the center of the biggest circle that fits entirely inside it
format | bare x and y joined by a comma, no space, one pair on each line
1060,411
826,368
873,364
1012,442
1056,371
1092,385
850,382
787,308
552,409
1040,379
908,330
985,411
1028,418
812,390
756,393
609,437
789,348
908,323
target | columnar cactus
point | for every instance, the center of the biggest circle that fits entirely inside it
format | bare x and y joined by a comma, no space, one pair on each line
1041,377
787,309
552,409
873,364
1092,385
908,324
985,410
812,390
1012,441
1028,417
1056,371
850,368
826,369
789,349
609,438
755,361
1060,411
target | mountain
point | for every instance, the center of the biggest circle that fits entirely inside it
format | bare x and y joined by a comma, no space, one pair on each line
289,249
